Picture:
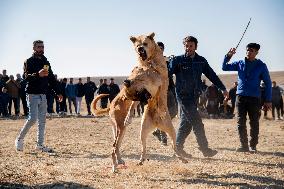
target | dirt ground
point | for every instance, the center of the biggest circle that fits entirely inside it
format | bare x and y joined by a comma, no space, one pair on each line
82,157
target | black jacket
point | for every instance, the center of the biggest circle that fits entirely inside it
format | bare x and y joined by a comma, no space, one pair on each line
36,84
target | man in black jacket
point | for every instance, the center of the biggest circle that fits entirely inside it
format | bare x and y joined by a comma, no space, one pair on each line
113,89
104,89
39,75
90,89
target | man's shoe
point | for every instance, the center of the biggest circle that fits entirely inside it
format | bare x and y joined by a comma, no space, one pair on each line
19,143
183,153
157,134
209,152
164,142
44,149
242,149
253,149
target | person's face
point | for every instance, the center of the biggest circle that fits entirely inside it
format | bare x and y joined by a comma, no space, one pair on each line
39,48
88,79
190,47
161,48
251,53
4,72
273,84
18,76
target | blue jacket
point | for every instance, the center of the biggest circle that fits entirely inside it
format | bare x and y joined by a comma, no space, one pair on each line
188,73
70,90
249,76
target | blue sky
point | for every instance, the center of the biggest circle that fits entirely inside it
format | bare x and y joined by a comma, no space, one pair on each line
91,38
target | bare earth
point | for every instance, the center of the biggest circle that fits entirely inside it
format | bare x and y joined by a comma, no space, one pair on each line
83,147
82,158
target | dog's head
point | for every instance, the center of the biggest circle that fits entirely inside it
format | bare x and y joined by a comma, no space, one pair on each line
144,45
142,84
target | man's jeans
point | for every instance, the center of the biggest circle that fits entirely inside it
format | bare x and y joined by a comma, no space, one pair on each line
190,119
251,106
78,104
37,112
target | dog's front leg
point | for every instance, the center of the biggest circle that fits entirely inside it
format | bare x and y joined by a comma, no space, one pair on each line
146,128
130,114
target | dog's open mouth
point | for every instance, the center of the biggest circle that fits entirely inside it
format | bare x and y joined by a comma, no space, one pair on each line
142,53
142,96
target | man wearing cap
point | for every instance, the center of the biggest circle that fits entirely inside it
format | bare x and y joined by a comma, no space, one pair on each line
250,73
188,69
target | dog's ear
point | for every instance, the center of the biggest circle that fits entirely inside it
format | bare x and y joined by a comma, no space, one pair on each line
151,36
133,39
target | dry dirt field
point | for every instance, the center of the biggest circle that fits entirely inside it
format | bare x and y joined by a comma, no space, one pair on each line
82,158
83,147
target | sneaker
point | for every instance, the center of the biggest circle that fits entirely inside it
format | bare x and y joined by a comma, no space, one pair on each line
44,149
183,153
242,149
19,143
209,152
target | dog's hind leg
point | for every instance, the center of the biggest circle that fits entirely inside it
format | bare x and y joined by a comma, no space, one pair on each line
116,157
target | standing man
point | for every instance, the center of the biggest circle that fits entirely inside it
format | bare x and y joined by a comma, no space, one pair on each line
233,95
276,100
23,96
5,77
103,89
13,88
80,92
38,74
188,69
113,89
250,73
70,92
90,89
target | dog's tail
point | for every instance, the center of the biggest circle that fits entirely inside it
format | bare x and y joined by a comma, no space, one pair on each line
94,106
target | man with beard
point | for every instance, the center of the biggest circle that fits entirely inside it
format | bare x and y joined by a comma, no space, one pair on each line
38,74
188,69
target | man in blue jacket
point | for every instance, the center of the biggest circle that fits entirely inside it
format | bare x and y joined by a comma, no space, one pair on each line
188,69
250,73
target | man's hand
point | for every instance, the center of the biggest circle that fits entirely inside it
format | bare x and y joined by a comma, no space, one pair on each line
43,73
231,52
225,94
267,106
60,98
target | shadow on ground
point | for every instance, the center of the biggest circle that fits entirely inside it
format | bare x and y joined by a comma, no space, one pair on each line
57,185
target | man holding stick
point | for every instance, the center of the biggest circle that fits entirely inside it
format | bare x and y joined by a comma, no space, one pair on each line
250,73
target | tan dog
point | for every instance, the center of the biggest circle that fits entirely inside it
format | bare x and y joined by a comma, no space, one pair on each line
147,82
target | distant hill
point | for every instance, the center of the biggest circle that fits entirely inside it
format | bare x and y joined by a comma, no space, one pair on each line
227,79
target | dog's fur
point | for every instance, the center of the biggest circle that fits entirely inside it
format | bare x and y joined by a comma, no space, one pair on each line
148,81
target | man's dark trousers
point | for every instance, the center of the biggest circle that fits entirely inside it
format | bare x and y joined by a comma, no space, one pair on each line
190,119
251,106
